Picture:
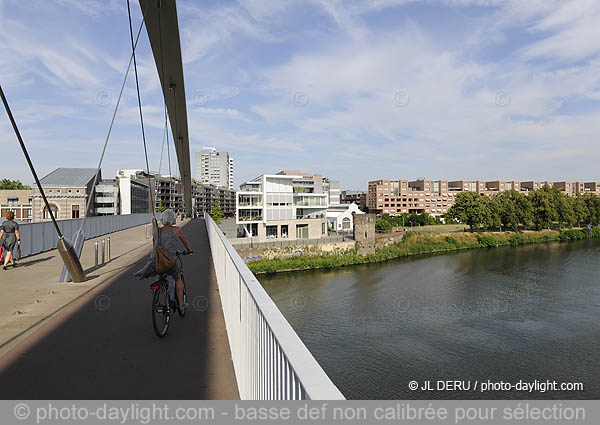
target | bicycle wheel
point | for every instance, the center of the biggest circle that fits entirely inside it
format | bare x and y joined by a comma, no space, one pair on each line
160,311
184,310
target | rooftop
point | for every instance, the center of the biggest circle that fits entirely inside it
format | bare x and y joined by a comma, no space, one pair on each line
69,177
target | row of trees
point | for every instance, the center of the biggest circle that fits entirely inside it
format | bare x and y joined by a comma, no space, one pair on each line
387,223
512,210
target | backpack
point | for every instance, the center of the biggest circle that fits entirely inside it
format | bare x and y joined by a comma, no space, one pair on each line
163,262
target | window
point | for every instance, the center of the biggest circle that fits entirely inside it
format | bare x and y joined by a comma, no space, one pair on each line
74,211
54,210
271,232
323,228
302,231
346,223
284,230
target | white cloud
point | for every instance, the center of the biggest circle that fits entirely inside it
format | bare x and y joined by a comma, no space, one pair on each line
574,32
206,29
265,9
321,86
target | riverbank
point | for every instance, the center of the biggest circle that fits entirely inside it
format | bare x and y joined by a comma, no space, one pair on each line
415,243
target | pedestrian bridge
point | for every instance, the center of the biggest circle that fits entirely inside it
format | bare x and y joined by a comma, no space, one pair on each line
234,343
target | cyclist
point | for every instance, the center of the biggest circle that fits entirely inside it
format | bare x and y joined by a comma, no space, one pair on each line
170,237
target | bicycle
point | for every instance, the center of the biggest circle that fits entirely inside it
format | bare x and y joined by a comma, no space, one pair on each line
164,300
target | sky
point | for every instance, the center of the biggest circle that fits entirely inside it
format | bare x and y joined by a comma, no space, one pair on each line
353,90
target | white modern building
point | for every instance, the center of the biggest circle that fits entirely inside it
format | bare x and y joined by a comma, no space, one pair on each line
283,205
135,195
332,187
167,189
215,168
107,199
341,217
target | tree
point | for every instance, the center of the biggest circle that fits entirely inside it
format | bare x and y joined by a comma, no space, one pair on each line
491,218
469,208
508,205
544,209
564,208
592,203
161,207
7,184
580,209
384,226
524,209
216,213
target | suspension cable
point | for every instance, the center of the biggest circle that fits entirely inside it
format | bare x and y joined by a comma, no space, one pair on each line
176,128
168,145
37,181
79,238
137,85
162,149
93,191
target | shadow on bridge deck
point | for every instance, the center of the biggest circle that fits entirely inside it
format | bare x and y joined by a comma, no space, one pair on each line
103,345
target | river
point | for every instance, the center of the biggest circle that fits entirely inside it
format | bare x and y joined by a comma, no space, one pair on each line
488,316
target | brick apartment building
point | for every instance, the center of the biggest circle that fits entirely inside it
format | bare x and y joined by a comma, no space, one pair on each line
436,197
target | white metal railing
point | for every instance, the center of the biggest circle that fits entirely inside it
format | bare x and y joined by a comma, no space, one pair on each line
270,360
41,236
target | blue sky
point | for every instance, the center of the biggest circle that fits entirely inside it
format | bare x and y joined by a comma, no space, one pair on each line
355,90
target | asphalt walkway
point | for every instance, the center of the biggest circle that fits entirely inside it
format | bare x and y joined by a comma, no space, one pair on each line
102,344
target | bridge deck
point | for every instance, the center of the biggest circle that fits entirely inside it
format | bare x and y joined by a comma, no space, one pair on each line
88,351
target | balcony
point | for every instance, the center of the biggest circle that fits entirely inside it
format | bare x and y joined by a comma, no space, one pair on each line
249,201
249,215
250,187
303,189
106,199
251,218
309,216
310,201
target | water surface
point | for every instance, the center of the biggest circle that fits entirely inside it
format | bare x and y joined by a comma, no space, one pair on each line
500,314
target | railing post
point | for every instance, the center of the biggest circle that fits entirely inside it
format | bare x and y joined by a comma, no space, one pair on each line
103,248
108,249
96,254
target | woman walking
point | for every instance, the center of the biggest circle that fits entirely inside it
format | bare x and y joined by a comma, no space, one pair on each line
10,237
